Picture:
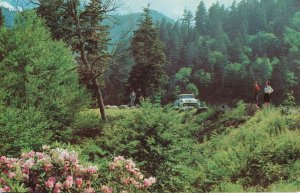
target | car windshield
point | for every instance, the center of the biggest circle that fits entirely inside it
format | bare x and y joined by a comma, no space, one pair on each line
186,96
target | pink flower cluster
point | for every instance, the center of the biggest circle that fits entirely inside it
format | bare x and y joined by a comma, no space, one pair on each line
130,175
54,170
58,170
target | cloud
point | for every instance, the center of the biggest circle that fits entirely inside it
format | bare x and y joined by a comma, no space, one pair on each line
7,5
171,8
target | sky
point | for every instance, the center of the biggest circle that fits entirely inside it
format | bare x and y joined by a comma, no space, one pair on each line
6,5
170,8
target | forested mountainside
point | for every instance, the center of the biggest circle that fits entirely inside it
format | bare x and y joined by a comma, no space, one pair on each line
9,16
219,51
122,26
56,67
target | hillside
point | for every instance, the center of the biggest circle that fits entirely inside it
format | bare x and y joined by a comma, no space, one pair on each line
121,26
59,130
124,25
9,16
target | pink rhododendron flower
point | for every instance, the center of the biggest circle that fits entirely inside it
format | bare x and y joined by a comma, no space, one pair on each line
29,163
39,155
126,181
119,158
48,166
79,182
106,189
92,169
25,170
31,154
69,174
148,182
112,166
6,189
56,190
58,185
50,183
3,159
2,181
11,174
69,182
89,190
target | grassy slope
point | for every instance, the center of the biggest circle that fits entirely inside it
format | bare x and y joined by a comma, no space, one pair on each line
256,155
261,154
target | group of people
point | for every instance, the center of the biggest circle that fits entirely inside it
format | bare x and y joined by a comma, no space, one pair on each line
268,90
133,97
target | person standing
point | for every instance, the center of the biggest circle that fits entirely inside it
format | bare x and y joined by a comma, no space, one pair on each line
132,98
256,90
267,96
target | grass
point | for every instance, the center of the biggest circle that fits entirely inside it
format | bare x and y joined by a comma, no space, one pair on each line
111,113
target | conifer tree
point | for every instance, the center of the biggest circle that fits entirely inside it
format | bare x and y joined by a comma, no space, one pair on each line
81,28
1,18
201,18
148,73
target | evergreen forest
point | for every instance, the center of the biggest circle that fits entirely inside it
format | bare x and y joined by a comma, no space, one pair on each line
87,97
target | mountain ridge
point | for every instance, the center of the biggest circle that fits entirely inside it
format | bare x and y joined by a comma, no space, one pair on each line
122,25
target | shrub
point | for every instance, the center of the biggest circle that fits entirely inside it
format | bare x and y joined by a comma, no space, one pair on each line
284,186
237,113
87,124
57,170
36,73
22,129
257,154
229,187
159,140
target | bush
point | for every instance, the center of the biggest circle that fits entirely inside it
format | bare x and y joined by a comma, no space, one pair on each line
22,129
57,170
87,124
237,113
159,140
36,73
229,187
257,154
284,186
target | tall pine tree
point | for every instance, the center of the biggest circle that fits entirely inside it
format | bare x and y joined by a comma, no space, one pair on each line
201,19
148,72
1,18
81,28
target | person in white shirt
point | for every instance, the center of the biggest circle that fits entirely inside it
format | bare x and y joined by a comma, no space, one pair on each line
132,98
267,90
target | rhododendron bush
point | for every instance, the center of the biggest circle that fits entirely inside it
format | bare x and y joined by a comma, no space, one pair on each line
58,170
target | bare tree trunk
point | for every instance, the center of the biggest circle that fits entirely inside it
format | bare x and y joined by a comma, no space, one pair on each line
99,98
88,67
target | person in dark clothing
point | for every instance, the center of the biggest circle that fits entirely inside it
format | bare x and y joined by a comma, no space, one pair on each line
139,95
256,90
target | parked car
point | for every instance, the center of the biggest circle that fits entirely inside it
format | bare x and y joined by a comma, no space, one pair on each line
189,100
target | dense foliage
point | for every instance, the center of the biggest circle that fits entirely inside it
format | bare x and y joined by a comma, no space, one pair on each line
250,40
221,150
79,25
1,18
59,170
39,91
227,48
148,72
228,152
